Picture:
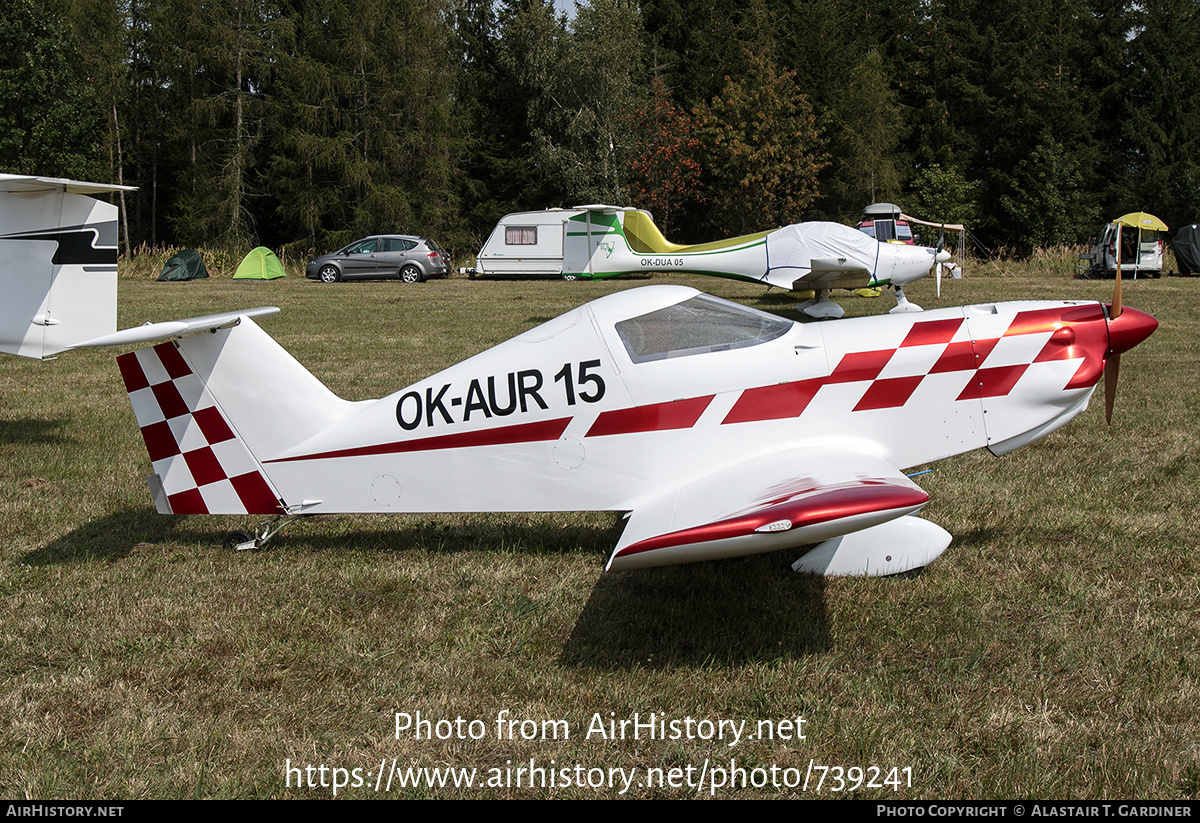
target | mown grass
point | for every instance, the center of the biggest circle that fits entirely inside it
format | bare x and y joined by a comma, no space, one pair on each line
1051,652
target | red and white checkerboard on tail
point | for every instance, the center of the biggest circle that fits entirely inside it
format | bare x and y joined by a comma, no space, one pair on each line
200,465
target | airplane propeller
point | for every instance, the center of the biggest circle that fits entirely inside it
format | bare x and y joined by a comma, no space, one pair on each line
1113,367
1126,328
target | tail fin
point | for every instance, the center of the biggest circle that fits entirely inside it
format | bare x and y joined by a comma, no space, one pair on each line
58,273
200,466
594,243
645,237
213,407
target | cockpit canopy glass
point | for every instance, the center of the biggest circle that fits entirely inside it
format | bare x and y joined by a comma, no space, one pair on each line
701,324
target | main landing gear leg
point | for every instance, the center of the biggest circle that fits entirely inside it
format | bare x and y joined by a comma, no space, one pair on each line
902,304
821,307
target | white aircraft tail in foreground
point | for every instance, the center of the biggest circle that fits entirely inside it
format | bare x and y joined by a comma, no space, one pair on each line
720,429
59,270
607,241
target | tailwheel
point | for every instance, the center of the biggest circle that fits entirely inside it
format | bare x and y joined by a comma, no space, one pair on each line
239,541
242,541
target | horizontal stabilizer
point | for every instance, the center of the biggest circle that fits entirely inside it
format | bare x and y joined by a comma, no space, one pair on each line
773,502
150,332
29,184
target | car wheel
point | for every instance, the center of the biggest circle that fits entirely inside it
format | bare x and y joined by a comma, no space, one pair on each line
569,277
411,274
329,274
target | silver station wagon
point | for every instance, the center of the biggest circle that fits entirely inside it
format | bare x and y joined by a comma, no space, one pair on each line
382,257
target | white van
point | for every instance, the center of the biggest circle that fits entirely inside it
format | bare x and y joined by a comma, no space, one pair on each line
1141,254
526,244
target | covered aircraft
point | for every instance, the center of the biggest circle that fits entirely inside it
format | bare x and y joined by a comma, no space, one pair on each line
605,241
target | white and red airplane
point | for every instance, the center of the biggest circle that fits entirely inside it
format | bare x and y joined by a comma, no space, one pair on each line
720,429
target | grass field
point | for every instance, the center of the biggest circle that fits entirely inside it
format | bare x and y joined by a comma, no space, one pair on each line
1053,651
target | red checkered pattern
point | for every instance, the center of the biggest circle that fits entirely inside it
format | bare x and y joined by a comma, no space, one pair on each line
944,346
203,467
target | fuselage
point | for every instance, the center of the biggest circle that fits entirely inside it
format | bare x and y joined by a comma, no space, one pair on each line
815,255
607,405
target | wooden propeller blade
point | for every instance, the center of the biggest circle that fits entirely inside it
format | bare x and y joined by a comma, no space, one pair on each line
1111,369
1115,311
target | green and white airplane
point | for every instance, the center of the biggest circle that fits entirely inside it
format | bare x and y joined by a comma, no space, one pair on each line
607,241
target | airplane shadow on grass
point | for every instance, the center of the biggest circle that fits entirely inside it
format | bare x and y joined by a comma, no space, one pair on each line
32,430
114,536
723,613
117,535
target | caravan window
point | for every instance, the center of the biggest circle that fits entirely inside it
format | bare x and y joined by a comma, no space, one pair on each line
702,324
520,235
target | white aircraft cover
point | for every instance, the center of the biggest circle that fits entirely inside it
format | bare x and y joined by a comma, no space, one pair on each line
837,250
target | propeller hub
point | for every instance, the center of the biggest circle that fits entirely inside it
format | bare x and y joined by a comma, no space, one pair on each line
1128,329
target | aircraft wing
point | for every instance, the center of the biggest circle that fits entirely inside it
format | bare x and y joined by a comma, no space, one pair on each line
826,273
774,501
820,256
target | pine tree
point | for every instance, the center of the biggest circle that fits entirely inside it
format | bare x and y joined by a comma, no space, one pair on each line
579,80
222,59
52,118
865,133
361,137
1162,127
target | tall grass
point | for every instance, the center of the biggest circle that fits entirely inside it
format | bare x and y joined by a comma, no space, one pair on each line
147,262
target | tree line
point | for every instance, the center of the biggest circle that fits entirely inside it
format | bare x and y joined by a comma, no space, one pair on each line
303,124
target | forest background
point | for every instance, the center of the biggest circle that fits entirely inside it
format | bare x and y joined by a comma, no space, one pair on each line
303,124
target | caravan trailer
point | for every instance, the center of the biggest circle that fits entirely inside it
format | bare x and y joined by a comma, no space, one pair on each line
525,244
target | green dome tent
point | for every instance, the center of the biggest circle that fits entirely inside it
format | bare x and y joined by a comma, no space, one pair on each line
186,265
260,264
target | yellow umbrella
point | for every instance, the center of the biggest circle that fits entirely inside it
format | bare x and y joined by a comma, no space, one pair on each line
1142,220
